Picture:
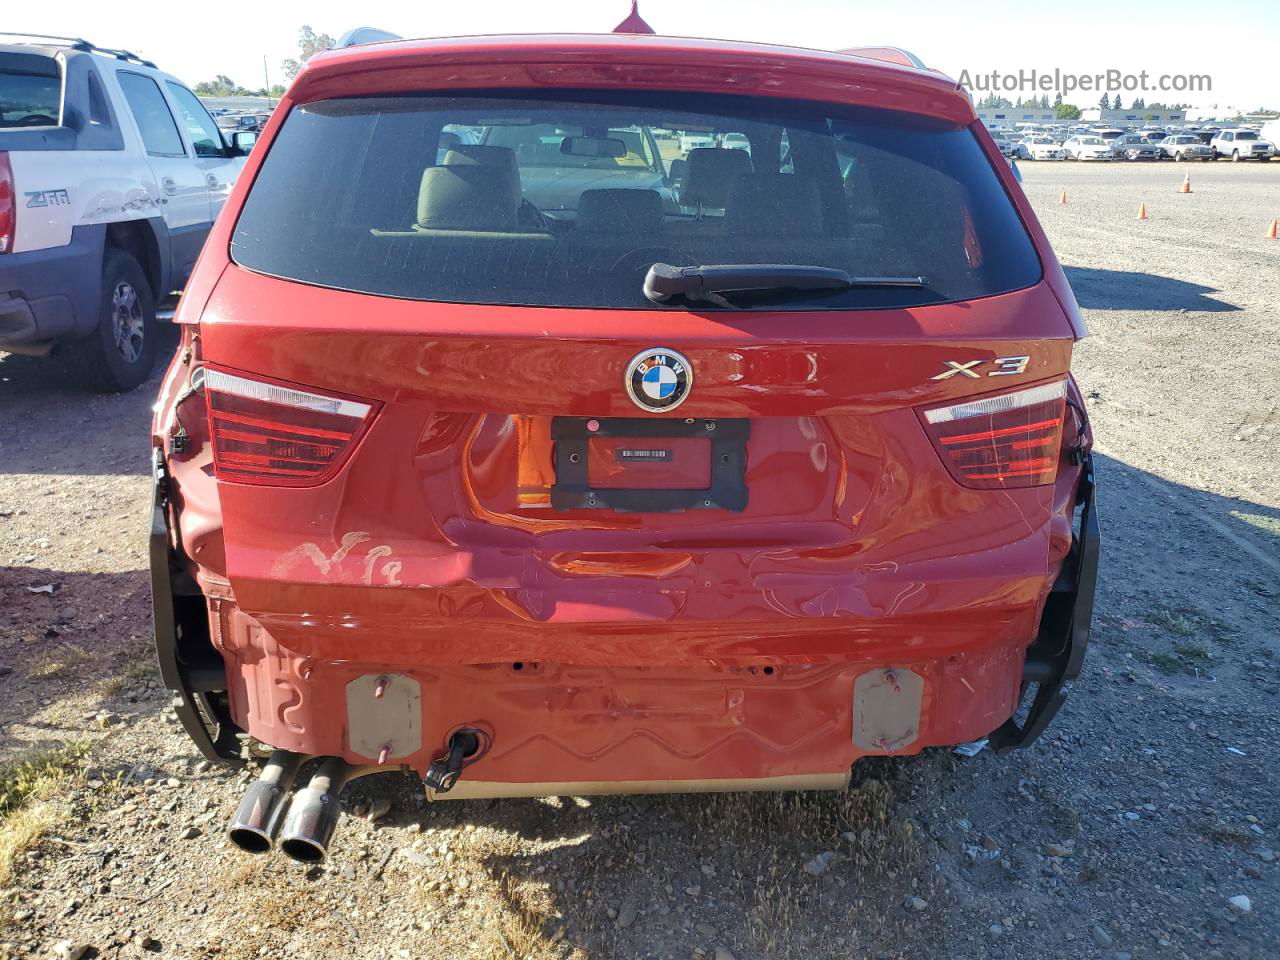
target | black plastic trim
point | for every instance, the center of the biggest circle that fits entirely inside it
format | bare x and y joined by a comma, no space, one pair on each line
192,684
61,286
1055,658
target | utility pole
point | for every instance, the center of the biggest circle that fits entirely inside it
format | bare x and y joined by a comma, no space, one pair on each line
266,80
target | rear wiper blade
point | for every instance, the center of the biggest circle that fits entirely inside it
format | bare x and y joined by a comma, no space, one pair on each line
711,281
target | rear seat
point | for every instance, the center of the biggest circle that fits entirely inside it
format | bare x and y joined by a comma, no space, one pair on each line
710,173
619,212
776,203
475,190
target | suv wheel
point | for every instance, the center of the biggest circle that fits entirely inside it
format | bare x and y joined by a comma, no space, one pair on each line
1235,156
120,352
1178,156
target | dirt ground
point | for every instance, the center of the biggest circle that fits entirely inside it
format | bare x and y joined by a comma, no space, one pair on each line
1126,832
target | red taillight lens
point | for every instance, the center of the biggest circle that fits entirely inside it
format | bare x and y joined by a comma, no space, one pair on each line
8,205
1007,440
272,434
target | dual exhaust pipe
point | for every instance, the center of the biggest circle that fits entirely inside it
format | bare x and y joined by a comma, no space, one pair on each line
303,822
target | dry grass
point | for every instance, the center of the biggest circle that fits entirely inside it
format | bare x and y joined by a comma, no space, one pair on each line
1172,621
1192,651
526,929
31,802
1165,662
58,661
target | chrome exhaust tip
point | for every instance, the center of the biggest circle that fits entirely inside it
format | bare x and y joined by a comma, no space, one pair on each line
257,818
313,812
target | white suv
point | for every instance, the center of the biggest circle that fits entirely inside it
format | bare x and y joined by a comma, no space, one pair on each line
1242,145
117,172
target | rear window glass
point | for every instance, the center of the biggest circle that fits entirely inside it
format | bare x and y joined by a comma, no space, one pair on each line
30,91
567,200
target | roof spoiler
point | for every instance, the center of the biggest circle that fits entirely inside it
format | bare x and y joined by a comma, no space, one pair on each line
359,36
903,58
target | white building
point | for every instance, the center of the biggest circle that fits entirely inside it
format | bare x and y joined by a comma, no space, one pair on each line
1129,117
1009,116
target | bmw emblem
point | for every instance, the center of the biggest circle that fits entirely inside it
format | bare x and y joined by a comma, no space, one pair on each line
658,380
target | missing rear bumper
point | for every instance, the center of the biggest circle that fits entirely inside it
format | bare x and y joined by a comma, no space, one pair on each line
1055,658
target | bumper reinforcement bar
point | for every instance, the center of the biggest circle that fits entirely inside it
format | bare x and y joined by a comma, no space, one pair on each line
180,621
1054,659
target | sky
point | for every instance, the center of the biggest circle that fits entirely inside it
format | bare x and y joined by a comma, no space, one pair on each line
1235,42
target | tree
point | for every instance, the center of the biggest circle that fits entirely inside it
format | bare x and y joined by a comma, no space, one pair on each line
1116,104
1139,104
1044,102
220,86
1066,111
1104,103
309,44
1057,100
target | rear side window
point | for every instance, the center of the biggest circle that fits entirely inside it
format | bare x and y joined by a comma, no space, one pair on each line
567,199
155,122
30,91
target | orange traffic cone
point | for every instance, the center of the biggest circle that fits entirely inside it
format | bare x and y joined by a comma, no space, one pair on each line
1142,211
1186,184
1271,230
1063,199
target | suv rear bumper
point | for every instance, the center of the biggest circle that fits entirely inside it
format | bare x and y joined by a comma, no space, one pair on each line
51,294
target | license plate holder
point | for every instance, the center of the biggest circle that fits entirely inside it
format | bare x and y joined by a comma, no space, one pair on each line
573,489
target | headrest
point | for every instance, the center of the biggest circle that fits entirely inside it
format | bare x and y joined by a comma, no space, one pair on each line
620,211
478,155
468,197
710,174
780,203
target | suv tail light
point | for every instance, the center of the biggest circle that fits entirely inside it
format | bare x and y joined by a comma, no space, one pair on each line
1001,441
8,204
272,434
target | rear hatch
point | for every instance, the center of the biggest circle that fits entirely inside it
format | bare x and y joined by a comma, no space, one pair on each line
450,415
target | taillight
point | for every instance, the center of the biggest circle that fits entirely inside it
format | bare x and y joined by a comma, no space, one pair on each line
271,434
8,204
1006,440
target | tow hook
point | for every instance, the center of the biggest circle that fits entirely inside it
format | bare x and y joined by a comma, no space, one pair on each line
444,771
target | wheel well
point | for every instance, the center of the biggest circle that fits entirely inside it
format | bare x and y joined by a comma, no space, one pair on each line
137,238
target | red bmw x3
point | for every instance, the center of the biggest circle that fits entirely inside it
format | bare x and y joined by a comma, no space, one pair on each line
593,414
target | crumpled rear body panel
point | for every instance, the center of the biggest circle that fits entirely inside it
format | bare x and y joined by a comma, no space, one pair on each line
599,647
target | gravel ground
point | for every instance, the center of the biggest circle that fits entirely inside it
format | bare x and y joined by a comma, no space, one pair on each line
1144,825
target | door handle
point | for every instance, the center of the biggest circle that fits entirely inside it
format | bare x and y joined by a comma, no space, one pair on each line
170,187
212,181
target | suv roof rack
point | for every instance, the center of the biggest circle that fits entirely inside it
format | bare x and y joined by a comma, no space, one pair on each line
82,45
903,58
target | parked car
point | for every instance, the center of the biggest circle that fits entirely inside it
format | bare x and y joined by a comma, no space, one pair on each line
119,172
1183,146
1085,147
1006,148
1271,132
1039,147
1242,144
524,505
1133,146
696,140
